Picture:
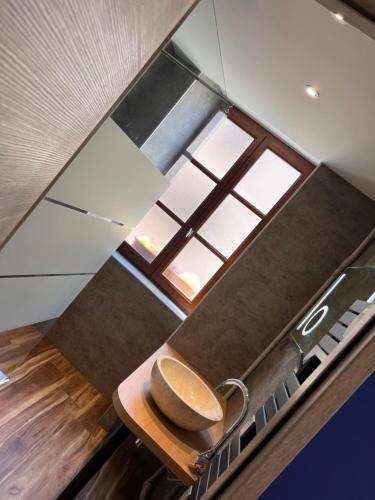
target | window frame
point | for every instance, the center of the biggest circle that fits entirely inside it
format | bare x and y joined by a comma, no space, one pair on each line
262,140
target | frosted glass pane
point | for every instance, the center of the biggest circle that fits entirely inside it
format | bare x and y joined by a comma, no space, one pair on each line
267,181
229,225
220,145
189,187
193,267
151,235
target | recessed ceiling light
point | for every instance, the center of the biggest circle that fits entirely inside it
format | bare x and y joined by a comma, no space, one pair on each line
339,18
311,91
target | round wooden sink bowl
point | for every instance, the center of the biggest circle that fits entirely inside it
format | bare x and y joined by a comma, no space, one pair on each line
183,396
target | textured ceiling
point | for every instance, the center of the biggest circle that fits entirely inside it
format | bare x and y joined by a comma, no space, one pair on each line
63,64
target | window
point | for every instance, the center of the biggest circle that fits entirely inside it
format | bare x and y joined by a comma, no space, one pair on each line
228,184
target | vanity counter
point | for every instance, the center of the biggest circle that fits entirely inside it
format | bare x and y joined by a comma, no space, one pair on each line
175,447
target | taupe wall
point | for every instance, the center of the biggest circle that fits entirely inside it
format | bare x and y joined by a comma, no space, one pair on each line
63,64
116,323
112,327
264,379
322,224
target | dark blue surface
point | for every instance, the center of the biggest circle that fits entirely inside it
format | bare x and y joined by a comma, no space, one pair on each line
339,463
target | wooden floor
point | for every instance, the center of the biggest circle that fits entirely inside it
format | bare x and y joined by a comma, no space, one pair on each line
48,418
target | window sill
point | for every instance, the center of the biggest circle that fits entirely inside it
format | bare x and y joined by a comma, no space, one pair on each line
149,285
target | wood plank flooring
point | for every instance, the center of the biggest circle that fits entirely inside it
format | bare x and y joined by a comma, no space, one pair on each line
48,418
16,345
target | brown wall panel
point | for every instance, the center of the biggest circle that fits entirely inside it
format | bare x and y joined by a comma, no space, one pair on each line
367,7
112,327
295,254
115,323
63,65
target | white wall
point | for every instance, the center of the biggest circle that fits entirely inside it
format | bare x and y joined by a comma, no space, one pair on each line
269,50
58,249
28,300
111,177
198,38
58,240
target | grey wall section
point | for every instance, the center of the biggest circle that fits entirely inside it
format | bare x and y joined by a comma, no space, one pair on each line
165,111
181,126
147,104
112,327
322,224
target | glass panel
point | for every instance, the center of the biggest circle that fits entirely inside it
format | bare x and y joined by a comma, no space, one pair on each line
354,285
267,181
189,187
229,225
193,267
220,145
151,235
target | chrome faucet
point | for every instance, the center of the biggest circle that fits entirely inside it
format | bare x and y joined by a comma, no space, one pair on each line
203,458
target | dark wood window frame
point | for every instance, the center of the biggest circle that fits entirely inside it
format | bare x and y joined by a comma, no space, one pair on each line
263,140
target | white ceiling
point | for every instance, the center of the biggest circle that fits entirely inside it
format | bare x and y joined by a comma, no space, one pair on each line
263,52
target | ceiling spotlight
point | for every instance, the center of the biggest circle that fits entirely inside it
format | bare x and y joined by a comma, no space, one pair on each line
338,17
311,91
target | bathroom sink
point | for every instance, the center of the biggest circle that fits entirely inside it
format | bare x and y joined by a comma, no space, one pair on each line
183,396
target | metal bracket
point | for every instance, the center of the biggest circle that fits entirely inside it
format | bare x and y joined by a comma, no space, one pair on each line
203,459
190,233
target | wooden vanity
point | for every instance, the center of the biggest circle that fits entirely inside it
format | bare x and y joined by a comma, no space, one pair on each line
175,447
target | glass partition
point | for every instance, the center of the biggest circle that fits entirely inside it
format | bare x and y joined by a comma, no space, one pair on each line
355,283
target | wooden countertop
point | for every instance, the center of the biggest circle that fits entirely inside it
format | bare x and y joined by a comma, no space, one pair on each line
175,447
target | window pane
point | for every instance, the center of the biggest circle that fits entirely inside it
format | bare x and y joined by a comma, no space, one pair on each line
220,145
151,235
193,267
267,181
229,225
189,187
